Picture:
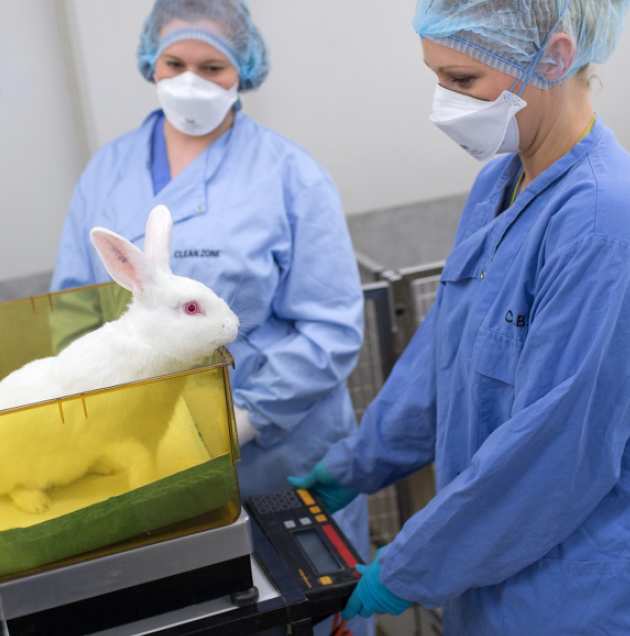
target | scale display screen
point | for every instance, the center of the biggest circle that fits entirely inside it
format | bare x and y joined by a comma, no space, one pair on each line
317,551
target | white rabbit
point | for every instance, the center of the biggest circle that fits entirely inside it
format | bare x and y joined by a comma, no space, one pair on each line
172,324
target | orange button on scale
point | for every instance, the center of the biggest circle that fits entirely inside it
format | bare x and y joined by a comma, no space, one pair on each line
306,497
325,580
321,518
315,510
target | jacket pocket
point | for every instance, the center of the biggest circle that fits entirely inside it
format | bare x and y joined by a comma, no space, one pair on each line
495,361
458,294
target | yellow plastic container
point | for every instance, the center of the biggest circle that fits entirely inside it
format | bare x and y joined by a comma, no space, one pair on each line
177,430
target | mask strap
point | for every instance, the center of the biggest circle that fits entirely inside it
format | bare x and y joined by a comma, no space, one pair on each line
539,56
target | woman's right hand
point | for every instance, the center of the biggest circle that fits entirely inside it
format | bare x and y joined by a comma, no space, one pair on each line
323,485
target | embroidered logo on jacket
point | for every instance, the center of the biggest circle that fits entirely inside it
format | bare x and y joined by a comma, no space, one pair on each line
200,253
518,320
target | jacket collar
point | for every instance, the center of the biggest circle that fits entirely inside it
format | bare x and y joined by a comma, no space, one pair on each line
486,230
185,196
543,182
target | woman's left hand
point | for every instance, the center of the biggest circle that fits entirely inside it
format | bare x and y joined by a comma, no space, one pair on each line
371,597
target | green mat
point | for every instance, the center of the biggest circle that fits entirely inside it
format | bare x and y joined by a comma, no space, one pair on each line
189,494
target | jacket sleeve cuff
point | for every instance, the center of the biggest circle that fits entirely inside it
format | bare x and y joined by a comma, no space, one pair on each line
266,433
244,427
339,464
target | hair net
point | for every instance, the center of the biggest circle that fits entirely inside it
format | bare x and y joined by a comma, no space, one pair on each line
236,36
511,35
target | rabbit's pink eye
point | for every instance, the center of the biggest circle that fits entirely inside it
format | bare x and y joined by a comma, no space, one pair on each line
192,308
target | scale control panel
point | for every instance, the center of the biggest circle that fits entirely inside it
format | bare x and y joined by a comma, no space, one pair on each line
309,540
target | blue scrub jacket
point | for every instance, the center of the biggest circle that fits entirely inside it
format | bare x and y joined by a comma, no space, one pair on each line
518,386
257,220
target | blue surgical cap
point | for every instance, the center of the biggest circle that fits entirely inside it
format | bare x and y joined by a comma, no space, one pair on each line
511,35
235,36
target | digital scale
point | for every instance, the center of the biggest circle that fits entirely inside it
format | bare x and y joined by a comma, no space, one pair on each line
283,562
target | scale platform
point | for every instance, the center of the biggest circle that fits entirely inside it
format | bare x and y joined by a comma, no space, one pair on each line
103,593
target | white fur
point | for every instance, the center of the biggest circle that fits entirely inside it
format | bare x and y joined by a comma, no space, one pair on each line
154,337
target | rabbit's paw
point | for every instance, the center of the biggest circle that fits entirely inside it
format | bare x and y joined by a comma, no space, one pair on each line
31,501
134,457
103,466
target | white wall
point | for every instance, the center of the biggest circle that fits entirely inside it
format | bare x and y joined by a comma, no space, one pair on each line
347,83
105,35
41,149
612,92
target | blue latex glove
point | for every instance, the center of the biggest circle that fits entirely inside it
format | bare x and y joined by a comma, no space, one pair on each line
370,596
321,483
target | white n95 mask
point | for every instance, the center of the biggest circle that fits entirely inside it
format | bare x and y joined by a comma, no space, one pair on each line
483,129
193,105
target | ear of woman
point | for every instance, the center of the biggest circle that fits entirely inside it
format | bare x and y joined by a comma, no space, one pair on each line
561,54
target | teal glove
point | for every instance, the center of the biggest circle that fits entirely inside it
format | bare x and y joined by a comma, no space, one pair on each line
370,596
322,484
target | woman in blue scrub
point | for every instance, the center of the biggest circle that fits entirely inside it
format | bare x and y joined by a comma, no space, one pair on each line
255,218
518,382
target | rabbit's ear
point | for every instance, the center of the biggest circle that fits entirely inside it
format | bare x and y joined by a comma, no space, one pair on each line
125,263
157,241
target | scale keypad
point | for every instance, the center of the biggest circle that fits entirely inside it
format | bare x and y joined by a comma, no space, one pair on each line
268,504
